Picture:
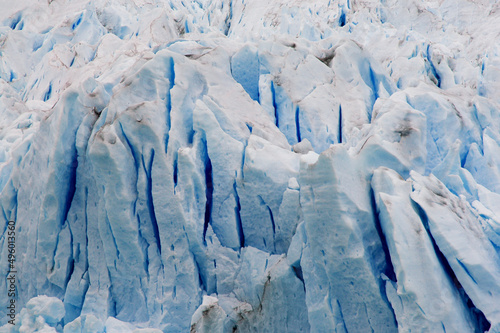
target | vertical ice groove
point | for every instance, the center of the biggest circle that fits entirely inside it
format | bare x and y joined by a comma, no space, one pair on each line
343,326
52,267
297,122
86,229
432,68
275,106
272,219
342,17
170,75
48,93
208,190
176,169
373,83
340,124
229,19
273,225
71,268
77,22
132,150
370,79
148,169
14,24
237,210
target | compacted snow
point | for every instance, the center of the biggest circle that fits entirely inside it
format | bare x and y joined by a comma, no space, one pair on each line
250,165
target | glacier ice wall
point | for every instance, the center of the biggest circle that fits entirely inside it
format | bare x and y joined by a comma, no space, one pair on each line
251,166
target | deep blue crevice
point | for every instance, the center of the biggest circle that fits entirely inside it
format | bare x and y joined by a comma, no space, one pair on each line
237,210
272,219
229,19
273,225
149,187
340,124
12,76
275,106
250,128
48,93
77,22
297,122
463,159
432,68
71,263
373,83
170,75
481,322
342,18
16,205
208,191
16,23
176,171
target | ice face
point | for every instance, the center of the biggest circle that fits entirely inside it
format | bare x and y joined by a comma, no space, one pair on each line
438,307
264,166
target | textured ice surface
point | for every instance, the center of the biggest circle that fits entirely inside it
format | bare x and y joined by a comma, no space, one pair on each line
251,166
437,307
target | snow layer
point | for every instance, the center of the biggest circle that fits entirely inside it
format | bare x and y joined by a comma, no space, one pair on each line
223,166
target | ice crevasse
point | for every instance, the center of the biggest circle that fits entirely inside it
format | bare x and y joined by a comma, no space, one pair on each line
250,166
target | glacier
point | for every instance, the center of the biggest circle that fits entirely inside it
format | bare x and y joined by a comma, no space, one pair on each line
250,165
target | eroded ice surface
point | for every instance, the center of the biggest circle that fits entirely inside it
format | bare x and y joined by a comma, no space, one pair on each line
251,166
